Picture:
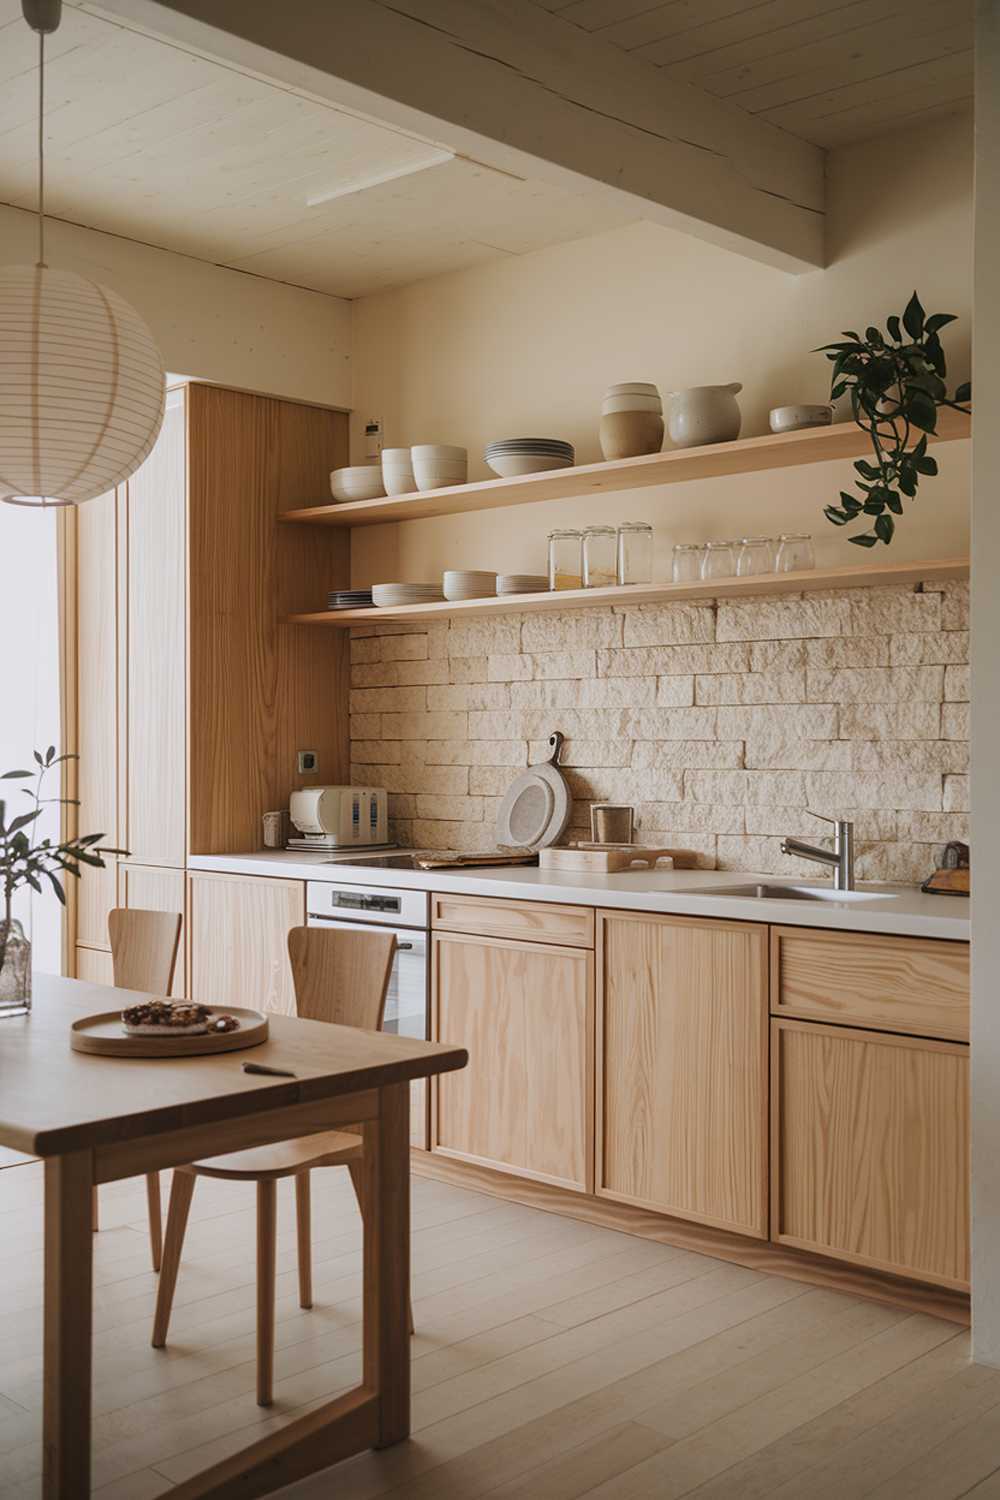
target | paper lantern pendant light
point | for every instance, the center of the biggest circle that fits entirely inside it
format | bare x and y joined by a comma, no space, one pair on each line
82,384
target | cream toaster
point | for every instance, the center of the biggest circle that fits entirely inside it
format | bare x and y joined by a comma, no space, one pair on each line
341,816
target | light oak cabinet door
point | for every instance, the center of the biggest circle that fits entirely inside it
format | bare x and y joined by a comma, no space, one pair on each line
870,1149
97,697
524,1011
239,929
682,1067
94,965
156,888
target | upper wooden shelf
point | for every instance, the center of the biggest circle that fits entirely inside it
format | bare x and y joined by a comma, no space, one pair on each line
814,445
862,575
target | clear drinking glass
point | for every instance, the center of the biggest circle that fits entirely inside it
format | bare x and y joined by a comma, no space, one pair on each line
635,552
600,557
754,555
718,560
687,562
795,552
565,560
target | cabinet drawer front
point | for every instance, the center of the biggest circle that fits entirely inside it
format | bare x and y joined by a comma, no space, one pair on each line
534,921
910,985
870,1149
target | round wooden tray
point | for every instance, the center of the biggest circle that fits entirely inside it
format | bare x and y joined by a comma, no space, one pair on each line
103,1033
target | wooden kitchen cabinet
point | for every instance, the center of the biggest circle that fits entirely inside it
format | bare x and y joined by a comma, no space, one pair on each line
239,927
156,888
682,1067
524,1010
870,1149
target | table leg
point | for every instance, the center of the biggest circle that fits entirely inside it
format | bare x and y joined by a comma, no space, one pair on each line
386,1167
68,1325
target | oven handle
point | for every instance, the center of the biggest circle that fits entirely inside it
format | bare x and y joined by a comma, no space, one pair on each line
404,947
318,916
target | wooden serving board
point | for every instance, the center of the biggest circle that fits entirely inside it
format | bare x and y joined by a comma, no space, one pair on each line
104,1034
605,859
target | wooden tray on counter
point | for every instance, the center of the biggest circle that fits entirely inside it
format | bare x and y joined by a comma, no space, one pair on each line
103,1034
607,859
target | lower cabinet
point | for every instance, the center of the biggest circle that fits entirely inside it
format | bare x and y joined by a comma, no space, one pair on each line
870,1149
682,1067
239,929
524,1010
157,888
94,965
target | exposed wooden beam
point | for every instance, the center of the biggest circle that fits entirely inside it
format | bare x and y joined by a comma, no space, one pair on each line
518,89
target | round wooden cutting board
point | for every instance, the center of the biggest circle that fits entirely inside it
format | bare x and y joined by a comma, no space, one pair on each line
104,1034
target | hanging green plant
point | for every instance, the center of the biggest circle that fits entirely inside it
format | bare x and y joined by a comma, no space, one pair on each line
896,382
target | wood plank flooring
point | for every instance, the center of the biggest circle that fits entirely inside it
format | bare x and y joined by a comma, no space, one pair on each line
553,1359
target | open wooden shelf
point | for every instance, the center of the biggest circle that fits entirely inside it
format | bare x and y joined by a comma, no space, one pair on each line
814,445
862,575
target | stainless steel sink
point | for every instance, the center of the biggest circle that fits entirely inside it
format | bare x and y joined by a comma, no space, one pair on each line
764,891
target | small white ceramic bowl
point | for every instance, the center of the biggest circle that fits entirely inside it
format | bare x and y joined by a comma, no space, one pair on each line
791,418
397,471
359,482
429,475
442,452
632,388
612,404
510,465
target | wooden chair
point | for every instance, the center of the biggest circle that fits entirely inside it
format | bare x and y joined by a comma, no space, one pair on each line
342,977
144,954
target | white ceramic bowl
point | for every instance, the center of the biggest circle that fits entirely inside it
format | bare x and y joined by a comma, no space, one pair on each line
632,388
359,482
442,452
790,418
612,404
429,475
397,471
510,465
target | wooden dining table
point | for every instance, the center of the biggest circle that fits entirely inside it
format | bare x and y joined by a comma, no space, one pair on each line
95,1119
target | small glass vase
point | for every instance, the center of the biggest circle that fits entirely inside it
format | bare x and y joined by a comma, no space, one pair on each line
15,970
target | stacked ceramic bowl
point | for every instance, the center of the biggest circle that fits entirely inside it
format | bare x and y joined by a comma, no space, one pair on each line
469,584
362,482
512,456
631,420
522,583
397,471
392,595
437,465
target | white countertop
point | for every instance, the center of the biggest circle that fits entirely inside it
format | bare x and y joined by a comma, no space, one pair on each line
872,908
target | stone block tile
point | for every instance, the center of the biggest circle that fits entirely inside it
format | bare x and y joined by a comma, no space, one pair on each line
762,856
848,651
774,656
463,669
893,611
729,787
954,605
581,694
955,721
909,755
935,828
467,752
672,724
427,671
576,630
783,619
387,700
415,777
438,833
751,687
422,726
799,822
553,664
577,752
403,647
493,635
875,685
712,755
780,752
376,752
671,692
374,674
490,695
400,627
831,791
904,863
401,832
688,817
668,625
929,649
611,784
438,637
367,648
366,726
450,809
808,721
402,805
893,721
510,668
490,781
956,684
956,794
669,661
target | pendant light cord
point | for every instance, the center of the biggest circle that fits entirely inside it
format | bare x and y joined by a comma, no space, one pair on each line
41,148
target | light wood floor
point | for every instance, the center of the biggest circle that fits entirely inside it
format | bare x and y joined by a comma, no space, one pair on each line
553,1359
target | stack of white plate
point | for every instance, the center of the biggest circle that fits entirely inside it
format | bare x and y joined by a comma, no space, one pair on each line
359,482
522,583
512,456
469,584
349,599
392,595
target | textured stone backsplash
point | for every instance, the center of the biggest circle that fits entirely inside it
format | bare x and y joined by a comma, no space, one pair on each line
723,723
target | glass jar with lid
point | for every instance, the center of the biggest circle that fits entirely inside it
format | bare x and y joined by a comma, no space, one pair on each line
795,552
635,552
687,562
600,554
565,559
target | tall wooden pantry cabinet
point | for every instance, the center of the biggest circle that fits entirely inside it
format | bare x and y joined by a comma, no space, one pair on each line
193,695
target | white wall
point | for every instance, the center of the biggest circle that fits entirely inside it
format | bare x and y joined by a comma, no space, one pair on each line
216,324
527,345
986,705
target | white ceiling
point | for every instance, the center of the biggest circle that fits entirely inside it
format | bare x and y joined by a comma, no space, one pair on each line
830,71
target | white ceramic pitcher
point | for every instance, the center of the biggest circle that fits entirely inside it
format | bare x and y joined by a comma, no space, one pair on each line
704,414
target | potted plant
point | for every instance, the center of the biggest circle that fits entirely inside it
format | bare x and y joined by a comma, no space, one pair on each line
23,862
897,384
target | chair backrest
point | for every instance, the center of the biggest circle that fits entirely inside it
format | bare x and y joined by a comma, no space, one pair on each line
341,976
144,948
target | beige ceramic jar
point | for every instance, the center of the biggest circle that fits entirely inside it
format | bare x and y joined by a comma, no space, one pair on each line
631,420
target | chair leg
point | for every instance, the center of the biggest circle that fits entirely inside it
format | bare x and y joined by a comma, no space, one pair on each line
354,1167
155,1218
181,1192
303,1218
267,1201
95,1213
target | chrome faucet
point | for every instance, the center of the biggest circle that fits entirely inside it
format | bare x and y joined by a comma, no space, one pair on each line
840,857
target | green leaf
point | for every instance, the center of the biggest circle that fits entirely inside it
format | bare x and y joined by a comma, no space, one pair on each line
894,503
892,323
49,755
838,517
33,881
964,391
938,320
925,465
884,528
850,334
907,482
850,502
838,390
56,886
921,411
867,539
867,470
24,820
874,337
913,317
15,775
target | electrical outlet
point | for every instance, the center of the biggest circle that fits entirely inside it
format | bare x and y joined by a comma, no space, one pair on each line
308,762
373,438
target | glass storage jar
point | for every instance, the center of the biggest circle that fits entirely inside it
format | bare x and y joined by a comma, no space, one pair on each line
687,562
600,551
718,560
795,552
635,552
565,560
755,555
